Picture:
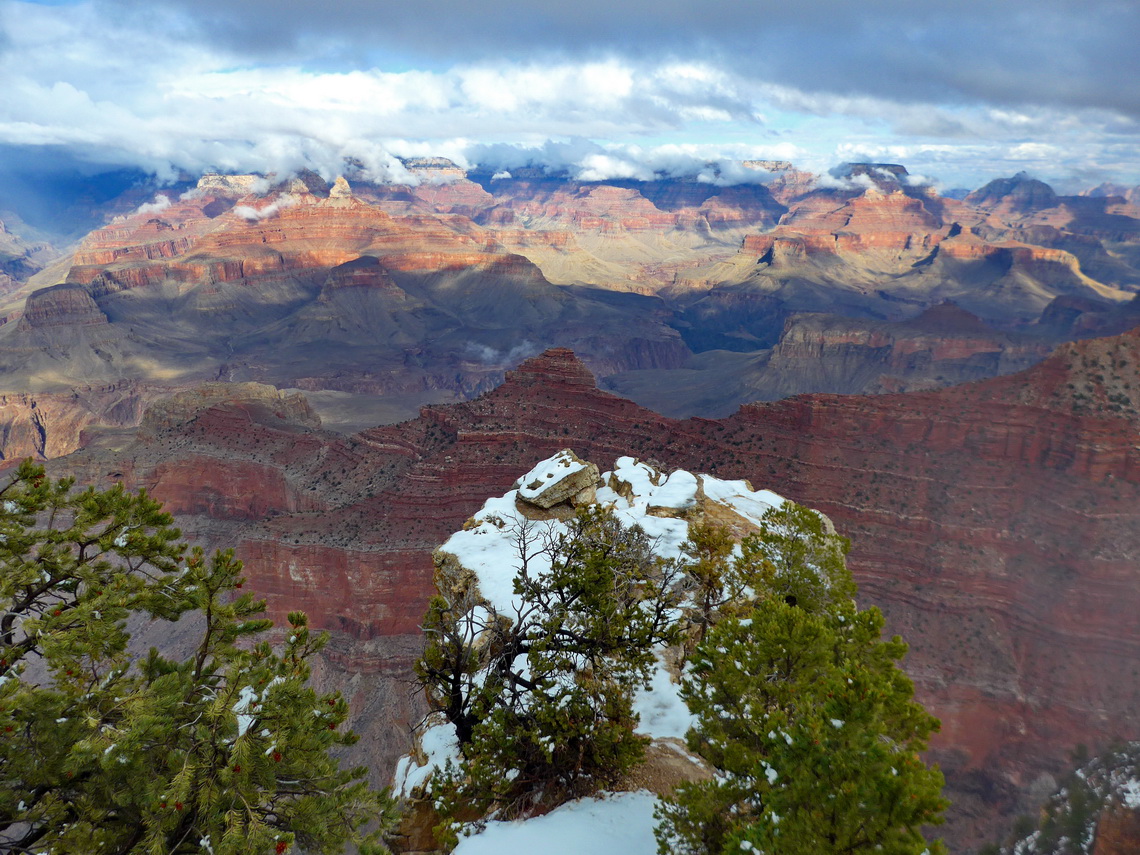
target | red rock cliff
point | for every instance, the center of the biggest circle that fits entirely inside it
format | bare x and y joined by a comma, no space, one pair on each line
997,524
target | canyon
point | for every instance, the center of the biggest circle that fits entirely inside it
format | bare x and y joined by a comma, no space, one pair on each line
690,297
995,523
332,378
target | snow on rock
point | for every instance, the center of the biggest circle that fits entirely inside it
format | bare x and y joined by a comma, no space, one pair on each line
1130,793
679,492
494,544
438,745
499,537
739,495
618,824
561,478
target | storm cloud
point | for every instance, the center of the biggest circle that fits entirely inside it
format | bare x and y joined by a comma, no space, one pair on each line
1073,53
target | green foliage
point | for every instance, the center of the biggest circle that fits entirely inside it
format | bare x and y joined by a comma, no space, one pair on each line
803,712
1067,822
542,699
715,580
793,557
802,562
226,751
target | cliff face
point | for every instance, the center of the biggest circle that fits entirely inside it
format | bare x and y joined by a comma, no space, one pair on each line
321,291
997,524
885,255
1118,833
437,289
828,353
20,259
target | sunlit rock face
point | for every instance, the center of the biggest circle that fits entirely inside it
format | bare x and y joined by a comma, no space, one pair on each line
432,291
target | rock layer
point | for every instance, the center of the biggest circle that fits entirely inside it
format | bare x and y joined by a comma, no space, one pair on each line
436,289
996,523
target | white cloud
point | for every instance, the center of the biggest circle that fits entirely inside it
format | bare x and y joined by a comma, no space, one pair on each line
161,203
147,90
248,212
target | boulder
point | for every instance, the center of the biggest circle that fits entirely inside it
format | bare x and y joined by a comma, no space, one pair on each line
565,478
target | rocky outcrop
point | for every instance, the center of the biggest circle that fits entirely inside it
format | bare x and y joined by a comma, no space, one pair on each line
941,347
231,185
1019,194
52,425
565,480
181,407
65,306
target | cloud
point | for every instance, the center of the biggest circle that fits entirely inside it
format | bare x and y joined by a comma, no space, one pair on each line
251,214
490,356
161,203
1044,52
585,160
596,90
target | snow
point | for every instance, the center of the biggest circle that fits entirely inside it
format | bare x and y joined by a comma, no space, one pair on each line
439,745
1130,792
739,495
493,546
248,698
618,824
245,700
641,477
663,714
678,492
547,472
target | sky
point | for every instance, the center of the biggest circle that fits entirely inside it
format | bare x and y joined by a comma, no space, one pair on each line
960,92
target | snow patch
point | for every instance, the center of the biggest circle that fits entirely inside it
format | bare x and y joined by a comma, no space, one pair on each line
1130,793
660,708
548,472
739,495
494,545
439,745
618,824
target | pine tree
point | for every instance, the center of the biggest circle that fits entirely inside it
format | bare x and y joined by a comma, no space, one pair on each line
793,557
227,751
802,710
542,699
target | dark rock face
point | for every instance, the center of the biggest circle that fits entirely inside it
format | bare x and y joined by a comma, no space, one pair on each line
827,353
997,524
1020,194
